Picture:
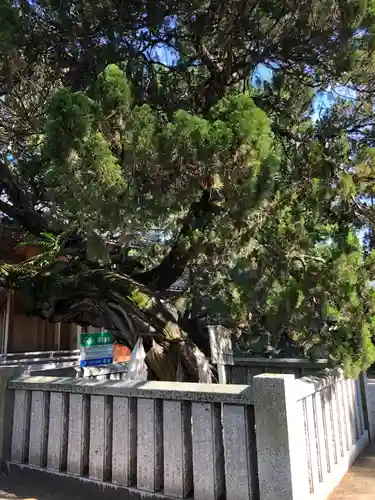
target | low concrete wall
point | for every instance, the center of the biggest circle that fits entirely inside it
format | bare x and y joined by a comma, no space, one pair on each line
6,411
159,438
310,430
279,438
42,361
245,368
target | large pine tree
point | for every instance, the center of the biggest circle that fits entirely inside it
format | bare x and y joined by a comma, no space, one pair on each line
121,118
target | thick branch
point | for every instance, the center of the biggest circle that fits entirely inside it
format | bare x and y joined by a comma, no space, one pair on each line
21,208
174,263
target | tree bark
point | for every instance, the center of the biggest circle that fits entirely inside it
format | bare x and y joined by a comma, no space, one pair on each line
161,277
171,268
20,207
104,298
61,292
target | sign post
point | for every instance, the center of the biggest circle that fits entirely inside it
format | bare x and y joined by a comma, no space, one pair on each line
96,349
221,350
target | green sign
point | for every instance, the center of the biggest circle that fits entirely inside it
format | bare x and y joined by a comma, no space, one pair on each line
95,339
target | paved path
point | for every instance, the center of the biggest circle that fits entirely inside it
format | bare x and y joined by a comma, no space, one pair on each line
359,482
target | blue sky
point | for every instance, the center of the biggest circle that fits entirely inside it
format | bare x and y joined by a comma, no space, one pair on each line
323,100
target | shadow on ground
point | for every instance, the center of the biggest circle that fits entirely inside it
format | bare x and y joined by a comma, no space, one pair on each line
17,488
359,482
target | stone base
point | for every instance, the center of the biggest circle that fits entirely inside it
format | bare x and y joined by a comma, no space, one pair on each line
24,481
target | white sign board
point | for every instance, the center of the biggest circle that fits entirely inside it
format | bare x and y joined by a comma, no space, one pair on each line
221,345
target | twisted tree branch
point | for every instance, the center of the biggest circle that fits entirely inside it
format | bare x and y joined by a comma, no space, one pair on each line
163,276
20,207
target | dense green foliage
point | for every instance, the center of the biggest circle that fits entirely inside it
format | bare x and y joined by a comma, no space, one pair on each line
121,156
123,119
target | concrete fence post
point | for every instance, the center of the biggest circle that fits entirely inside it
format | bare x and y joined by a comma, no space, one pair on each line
280,437
6,412
366,406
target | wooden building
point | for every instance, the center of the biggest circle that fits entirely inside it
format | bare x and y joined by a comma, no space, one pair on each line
18,331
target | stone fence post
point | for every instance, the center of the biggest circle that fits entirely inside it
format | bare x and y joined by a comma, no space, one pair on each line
280,438
366,405
6,411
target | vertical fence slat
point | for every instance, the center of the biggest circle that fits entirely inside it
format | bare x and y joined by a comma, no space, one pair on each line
352,410
356,410
312,451
124,447
321,434
334,425
208,456
352,431
344,415
308,447
149,445
360,406
319,437
78,435
249,376
58,431
252,371
366,408
228,373
178,460
329,432
336,392
239,374
239,440
100,438
21,426
39,428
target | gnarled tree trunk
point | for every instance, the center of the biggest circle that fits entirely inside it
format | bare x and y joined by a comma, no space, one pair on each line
63,285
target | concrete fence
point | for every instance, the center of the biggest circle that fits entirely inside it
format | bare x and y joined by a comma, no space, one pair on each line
42,360
277,438
242,372
309,431
245,368
38,356
170,437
